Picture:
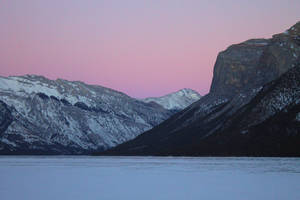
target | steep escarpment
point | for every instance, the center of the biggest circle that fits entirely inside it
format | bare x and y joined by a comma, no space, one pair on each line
254,62
238,66
241,76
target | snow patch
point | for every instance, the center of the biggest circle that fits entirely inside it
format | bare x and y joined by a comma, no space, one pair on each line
295,55
6,141
298,117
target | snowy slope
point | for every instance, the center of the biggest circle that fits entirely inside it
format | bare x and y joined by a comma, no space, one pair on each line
177,100
69,117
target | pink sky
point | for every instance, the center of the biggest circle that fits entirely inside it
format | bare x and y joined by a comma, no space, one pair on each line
142,48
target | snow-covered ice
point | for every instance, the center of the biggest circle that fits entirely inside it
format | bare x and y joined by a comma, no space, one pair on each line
145,178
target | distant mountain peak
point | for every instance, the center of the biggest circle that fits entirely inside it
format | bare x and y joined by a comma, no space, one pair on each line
187,91
177,100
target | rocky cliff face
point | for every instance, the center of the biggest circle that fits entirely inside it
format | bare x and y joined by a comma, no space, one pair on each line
240,73
255,62
237,66
38,115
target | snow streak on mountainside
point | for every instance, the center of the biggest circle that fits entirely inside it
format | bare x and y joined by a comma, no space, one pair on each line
177,100
38,115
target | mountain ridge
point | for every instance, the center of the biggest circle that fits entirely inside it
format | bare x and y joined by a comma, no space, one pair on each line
43,116
240,74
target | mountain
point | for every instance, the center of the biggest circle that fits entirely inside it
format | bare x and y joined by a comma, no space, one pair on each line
252,108
176,101
42,116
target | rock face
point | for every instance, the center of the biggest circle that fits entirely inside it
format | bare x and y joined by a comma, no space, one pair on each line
42,116
176,101
255,62
215,124
237,66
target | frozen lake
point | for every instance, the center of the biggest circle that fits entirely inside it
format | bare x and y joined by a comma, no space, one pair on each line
148,178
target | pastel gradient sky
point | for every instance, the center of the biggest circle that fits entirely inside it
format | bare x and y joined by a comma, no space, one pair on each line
142,48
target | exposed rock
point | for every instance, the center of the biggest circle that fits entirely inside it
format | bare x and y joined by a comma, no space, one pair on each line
237,67
255,62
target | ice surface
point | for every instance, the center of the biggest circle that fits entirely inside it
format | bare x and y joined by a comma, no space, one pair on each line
145,178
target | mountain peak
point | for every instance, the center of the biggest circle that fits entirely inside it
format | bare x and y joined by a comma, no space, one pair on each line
177,100
295,30
187,91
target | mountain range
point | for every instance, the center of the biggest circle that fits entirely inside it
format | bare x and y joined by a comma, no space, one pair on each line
42,116
252,109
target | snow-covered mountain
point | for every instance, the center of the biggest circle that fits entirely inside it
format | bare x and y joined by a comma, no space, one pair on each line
177,100
38,115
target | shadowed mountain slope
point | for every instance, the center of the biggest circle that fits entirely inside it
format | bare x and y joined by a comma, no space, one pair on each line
249,95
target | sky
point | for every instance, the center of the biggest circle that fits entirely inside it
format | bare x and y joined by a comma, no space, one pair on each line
142,48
